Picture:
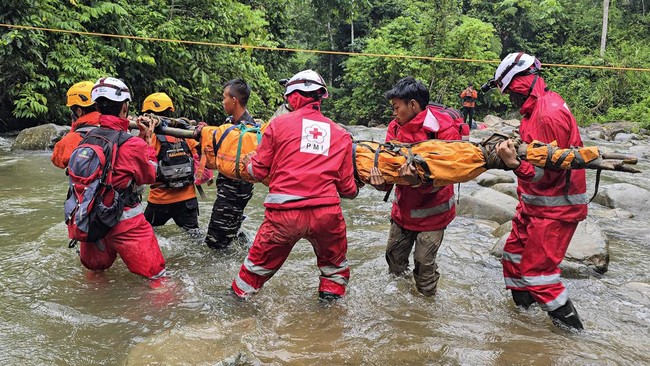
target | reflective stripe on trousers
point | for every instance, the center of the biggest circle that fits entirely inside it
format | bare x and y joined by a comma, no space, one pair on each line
526,281
435,210
554,201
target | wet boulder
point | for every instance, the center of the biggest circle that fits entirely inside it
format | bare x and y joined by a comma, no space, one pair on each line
640,151
40,137
588,251
508,188
488,179
625,196
487,204
492,121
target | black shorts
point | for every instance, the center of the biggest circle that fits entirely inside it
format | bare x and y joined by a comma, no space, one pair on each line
184,213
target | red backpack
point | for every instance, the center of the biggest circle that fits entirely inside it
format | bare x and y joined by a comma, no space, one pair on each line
459,121
93,206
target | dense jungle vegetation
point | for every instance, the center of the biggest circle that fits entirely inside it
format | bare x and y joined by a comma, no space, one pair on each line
37,66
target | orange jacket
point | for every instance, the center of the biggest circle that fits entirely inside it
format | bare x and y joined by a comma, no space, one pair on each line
469,97
162,196
63,148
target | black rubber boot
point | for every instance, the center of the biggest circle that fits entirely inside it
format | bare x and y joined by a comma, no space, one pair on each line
566,316
522,298
328,296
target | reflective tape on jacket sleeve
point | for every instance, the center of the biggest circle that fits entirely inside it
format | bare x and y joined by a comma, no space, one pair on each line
133,212
554,201
426,212
514,258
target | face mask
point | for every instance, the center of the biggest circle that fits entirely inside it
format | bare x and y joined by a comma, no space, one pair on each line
517,99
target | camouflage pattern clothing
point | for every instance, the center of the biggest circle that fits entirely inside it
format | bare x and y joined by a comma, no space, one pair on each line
228,209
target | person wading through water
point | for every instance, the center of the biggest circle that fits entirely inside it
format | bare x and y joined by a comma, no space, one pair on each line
308,159
551,202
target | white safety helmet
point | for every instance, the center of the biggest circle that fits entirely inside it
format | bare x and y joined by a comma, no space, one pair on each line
513,64
307,81
111,89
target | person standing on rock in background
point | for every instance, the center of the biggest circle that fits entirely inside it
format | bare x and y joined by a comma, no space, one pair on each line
551,202
421,212
85,117
232,194
469,96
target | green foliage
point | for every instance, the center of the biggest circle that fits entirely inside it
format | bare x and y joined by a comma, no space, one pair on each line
38,66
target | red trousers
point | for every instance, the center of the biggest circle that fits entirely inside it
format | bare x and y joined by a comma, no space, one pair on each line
134,240
531,257
323,227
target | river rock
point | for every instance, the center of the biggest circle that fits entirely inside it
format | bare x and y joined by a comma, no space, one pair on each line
40,137
489,179
512,123
624,195
595,134
508,188
640,151
588,251
492,121
610,130
625,137
487,204
502,230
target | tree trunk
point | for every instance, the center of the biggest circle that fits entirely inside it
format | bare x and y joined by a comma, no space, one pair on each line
603,37
331,61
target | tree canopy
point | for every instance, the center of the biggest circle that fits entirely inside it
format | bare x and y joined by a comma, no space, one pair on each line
39,65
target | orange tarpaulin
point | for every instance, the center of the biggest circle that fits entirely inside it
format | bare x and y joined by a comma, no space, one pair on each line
437,161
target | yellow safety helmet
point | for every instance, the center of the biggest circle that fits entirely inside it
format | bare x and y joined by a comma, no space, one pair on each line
157,102
80,94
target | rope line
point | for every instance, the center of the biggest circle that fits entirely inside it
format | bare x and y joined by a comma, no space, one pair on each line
298,50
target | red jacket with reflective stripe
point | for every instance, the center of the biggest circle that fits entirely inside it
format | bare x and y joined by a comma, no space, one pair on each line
63,149
308,159
547,118
424,208
136,161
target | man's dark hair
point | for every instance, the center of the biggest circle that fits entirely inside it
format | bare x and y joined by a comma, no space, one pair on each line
85,110
109,107
240,90
408,88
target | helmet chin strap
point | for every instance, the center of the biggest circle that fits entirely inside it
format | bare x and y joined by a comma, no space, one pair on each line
532,85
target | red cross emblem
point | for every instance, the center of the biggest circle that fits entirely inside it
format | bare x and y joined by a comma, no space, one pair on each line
315,134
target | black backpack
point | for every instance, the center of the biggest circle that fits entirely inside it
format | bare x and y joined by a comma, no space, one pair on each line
175,164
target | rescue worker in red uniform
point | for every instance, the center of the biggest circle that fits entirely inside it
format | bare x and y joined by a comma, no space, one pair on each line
133,237
84,118
173,195
421,212
551,202
308,159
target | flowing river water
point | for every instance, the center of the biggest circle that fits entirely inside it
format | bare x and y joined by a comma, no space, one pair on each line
54,312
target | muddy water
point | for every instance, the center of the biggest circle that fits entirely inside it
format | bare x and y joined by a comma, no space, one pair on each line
56,313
